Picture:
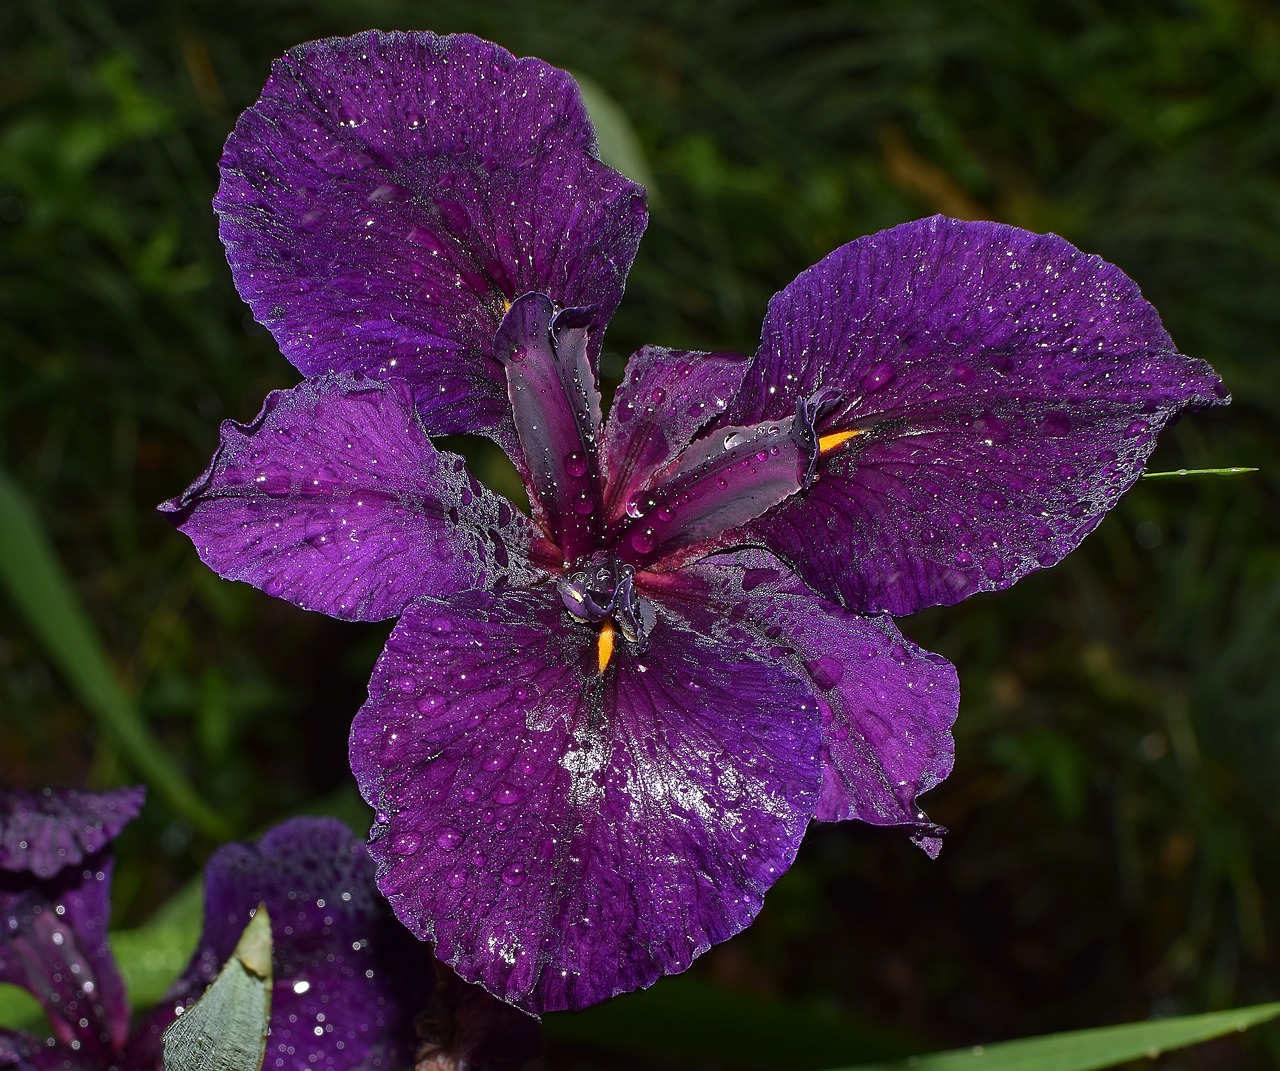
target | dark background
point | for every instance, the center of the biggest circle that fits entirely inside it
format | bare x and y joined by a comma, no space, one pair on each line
1113,811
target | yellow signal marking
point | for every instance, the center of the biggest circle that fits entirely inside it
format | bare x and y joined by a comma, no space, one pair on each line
837,439
604,646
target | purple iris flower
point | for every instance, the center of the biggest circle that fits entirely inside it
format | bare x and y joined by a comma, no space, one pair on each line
348,982
596,736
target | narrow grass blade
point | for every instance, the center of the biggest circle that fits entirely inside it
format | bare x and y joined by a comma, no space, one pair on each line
1237,471
36,582
1088,1050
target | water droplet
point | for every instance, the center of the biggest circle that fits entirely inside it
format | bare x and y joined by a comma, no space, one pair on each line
1138,427
633,509
456,879
514,874
405,843
507,794
643,541
877,376
826,672
448,839
575,464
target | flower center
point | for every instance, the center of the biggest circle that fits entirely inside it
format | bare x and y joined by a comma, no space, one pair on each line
601,591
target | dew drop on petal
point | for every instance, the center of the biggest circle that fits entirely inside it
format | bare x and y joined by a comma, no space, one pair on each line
405,843
507,794
877,376
643,540
826,672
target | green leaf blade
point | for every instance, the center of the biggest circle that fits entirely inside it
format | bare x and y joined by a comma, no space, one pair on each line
38,586
1088,1050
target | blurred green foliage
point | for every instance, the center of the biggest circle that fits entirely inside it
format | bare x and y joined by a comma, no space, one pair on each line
1113,814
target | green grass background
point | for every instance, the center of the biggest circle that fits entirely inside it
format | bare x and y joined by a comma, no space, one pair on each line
1113,852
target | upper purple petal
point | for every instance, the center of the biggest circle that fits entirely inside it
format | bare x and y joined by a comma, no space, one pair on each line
666,398
717,484
41,833
348,981
556,404
887,705
563,835
389,194
335,499
1006,390
53,943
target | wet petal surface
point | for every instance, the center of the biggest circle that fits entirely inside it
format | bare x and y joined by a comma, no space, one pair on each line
563,835
556,404
666,398
348,980
43,832
390,193
335,499
887,705
53,943
1006,388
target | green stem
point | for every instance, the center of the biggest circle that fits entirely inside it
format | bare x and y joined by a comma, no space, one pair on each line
39,587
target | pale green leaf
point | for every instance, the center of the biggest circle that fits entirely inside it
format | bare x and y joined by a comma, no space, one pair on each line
226,1029
619,146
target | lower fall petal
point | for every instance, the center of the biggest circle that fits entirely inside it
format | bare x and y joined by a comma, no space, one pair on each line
887,705
563,834
1003,389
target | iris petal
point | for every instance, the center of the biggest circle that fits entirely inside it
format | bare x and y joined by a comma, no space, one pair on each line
347,981
562,835
335,499
556,405
1008,389
53,928
44,832
887,705
665,399
389,193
